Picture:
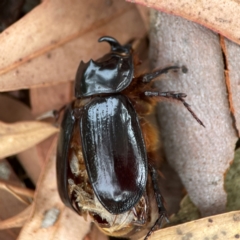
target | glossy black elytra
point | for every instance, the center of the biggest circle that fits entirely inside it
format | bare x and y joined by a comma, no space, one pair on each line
103,163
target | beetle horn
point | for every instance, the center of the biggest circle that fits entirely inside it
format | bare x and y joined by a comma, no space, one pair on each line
115,45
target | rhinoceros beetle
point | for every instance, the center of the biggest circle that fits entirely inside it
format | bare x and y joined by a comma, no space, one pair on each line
103,166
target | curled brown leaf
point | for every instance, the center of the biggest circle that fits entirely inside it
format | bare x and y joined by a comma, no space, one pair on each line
220,16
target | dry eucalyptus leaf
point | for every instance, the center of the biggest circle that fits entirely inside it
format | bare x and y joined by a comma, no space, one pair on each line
220,227
50,219
34,158
13,110
57,34
31,162
17,137
14,189
16,221
199,155
221,16
50,98
9,204
8,234
144,12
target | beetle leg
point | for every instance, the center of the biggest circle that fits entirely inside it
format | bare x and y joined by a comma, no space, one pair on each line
146,78
159,199
174,96
56,113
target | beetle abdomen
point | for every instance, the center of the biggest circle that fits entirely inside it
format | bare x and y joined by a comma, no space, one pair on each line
114,152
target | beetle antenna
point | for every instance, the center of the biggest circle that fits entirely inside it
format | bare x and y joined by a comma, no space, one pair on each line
115,45
175,96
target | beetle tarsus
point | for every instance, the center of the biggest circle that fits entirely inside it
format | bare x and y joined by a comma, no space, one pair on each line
192,112
175,96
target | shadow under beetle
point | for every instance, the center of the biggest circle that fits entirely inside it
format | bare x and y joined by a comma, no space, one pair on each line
103,166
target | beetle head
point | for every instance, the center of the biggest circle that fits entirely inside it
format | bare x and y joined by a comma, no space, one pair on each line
110,74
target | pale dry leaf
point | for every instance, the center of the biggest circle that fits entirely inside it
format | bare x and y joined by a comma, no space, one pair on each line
51,98
33,158
32,162
144,12
46,45
50,219
13,111
18,220
16,190
17,137
36,156
9,204
199,155
8,234
221,227
221,16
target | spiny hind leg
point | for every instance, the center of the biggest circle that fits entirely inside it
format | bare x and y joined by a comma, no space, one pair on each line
162,214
